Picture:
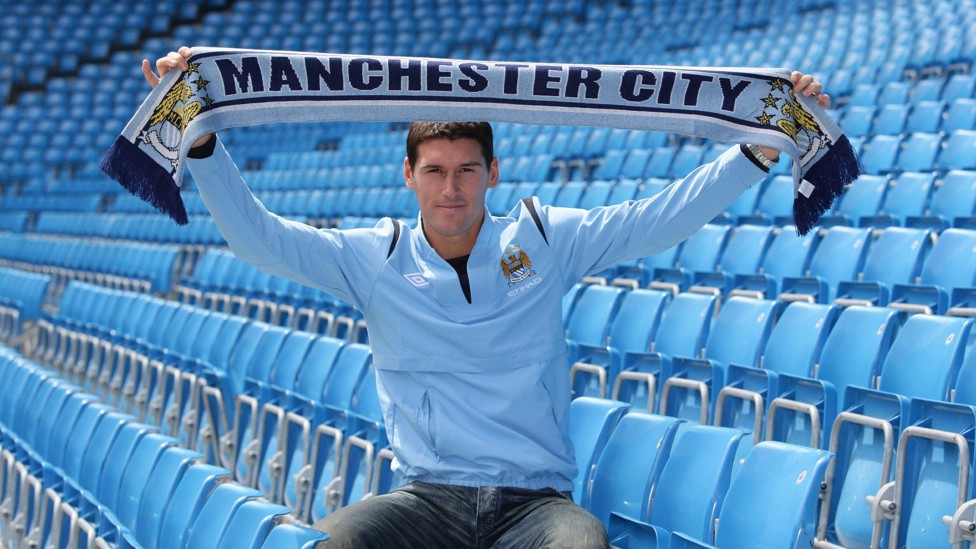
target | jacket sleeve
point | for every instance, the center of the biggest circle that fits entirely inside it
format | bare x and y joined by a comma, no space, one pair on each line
589,241
343,263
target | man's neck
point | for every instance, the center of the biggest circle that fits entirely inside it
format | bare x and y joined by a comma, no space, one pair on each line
450,247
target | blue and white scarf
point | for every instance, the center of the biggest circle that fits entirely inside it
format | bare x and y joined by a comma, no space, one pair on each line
235,87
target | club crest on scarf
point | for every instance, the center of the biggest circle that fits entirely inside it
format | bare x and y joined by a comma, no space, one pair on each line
516,265
174,112
782,109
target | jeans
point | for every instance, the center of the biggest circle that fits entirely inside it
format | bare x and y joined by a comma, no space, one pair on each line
439,515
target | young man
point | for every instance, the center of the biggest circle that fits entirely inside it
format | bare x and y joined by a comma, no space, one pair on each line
465,325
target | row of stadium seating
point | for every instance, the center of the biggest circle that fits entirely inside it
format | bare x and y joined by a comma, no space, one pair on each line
77,472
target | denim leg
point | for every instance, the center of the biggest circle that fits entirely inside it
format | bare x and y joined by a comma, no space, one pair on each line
416,515
527,519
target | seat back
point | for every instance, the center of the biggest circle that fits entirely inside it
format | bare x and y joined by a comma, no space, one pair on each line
169,469
702,250
857,346
589,324
896,256
630,465
695,479
685,325
924,359
293,536
186,501
745,249
839,255
591,421
636,322
795,343
773,499
740,330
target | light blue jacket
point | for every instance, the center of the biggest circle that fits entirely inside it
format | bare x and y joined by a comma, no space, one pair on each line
473,394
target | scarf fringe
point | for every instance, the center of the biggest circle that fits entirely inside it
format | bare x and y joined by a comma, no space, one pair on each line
829,175
143,177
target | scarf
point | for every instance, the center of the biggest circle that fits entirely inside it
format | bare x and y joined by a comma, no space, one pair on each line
224,88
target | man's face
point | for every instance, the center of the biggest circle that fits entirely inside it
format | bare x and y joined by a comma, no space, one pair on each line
450,178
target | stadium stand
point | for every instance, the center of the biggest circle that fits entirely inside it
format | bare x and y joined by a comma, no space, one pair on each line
159,392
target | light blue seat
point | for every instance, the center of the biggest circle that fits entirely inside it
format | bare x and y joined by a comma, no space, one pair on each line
919,152
689,494
138,469
631,465
880,152
907,196
891,119
293,536
895,257
775,205
793,348
862,198
953,203
590,321
950,264
632,329
214,518
788,255
772,501
591,421
683,331
958,151
961,115
700,252
839,256
738,335
743,254
923,362
168,471
851,355
250,524
186,502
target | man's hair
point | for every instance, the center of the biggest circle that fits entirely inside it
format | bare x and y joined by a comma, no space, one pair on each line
425,131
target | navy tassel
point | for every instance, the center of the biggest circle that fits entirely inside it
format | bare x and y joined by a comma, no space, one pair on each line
128,165
829,175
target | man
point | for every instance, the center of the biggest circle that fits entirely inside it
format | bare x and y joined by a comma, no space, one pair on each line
465,325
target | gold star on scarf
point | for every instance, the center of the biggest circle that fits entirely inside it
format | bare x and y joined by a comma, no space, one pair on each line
202,84
764,119
777,85
192,67
770,101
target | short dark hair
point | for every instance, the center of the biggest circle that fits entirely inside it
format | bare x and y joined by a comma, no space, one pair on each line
425,131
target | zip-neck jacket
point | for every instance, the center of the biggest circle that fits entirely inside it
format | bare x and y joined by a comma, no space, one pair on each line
473,394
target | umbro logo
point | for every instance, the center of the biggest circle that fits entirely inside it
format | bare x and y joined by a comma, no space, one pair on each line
416,279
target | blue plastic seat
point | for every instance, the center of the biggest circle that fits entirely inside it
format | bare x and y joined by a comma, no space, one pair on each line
925,117
168,471
851,355
958,151
683,331
591,421
862,198
743,254
951,264
631,465
700,252
738,335
251,524
793,348
631,328
788,255
772,501
839,256
891,119
879,154
907,196
590,321
960,115
691,489
186,502
919,152
775,205
895,257
857,120
923,362
216,514
294,536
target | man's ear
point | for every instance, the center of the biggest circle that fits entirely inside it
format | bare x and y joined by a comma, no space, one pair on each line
407,173
493,173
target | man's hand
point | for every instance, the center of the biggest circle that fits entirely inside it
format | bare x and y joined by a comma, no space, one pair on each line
172,60
805,85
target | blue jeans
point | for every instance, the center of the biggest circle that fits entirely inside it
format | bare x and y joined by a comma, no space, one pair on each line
440,515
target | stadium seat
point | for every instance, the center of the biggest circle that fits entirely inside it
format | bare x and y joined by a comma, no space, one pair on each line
690,492
591,421
839,256
630,466
951,264
772,501
690,384
852,355
895,257
683,331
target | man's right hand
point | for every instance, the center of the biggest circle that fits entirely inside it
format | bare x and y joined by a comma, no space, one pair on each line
173,60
